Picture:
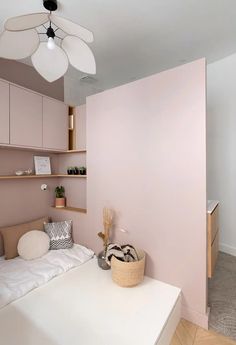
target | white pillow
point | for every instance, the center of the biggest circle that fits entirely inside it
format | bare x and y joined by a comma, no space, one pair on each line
33,244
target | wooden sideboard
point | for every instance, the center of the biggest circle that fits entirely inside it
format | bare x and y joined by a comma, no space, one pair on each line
213,236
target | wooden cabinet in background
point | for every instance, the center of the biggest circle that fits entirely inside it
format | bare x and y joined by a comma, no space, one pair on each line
4,113
55,124
25,117
213,238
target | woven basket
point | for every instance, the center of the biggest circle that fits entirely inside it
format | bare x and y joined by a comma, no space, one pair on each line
128,274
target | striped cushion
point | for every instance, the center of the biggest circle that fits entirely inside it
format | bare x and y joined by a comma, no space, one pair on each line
59,234
125,253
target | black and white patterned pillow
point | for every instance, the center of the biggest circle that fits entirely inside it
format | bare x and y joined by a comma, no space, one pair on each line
60,234
125,253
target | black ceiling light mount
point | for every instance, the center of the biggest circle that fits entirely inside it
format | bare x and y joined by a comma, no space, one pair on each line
50,32
50,5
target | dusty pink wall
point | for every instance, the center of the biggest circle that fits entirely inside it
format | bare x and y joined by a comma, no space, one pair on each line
146,160
23,200
24,75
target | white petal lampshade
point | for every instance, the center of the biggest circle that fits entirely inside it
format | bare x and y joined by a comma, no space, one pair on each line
51,64
79,54
18,45
71,28
28,21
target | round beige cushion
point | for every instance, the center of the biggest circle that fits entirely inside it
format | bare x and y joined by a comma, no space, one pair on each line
33,244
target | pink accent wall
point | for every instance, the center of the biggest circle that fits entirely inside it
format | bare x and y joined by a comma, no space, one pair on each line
25,75
23,200
147,160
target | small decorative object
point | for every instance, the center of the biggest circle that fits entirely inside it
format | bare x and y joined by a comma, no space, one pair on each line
107,224
127,274
76,171
44,187
42,165
82,171
70,171
102,261
19,172
60,197
28,172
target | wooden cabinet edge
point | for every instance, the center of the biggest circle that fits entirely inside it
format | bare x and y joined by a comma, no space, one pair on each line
213,243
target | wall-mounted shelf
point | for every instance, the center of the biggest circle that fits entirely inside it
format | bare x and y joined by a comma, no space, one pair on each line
76,151
73,209
39,149
15,177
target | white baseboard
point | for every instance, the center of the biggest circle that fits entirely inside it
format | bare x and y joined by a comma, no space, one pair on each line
227,249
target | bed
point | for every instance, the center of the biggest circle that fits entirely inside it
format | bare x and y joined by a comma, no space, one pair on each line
83,306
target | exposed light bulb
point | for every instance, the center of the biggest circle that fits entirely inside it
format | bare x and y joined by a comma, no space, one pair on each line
51,44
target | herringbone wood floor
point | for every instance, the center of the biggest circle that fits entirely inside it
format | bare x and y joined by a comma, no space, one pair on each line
189,334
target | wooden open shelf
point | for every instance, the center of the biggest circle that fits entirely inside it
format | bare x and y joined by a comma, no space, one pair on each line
15,177
39,149
75,151
69,208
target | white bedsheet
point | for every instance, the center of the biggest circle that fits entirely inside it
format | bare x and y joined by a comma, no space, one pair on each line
18,276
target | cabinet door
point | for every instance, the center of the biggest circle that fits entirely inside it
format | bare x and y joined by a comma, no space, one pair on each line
25,117
55,124
4,113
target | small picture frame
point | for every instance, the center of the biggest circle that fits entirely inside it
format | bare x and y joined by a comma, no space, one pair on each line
42,165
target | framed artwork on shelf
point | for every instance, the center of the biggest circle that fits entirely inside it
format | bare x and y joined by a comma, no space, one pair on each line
42,165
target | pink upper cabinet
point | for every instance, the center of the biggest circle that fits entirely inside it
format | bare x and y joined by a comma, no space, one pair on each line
25,117
55,124
4,113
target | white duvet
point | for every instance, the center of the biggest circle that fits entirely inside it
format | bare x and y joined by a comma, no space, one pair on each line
18,276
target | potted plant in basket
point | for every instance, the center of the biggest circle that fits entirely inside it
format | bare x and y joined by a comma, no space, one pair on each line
60,197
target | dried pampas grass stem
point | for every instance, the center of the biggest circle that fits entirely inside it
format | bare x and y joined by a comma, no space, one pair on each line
107,224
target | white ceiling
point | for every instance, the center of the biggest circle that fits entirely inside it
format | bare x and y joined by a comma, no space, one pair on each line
136,38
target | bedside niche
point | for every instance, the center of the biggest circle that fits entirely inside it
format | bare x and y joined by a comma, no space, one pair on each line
17,157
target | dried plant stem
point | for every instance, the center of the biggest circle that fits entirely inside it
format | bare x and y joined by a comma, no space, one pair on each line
107,224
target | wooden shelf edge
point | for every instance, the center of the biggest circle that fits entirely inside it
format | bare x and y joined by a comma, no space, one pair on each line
15,177
39,149
69,208
75,151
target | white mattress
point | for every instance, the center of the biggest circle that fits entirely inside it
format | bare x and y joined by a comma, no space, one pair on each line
84,307
19,276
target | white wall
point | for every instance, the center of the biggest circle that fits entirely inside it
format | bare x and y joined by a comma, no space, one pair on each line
221,146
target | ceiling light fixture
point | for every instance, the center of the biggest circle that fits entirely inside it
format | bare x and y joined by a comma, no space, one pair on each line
51,60
51,35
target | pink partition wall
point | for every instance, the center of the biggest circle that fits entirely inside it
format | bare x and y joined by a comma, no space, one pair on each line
147,160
